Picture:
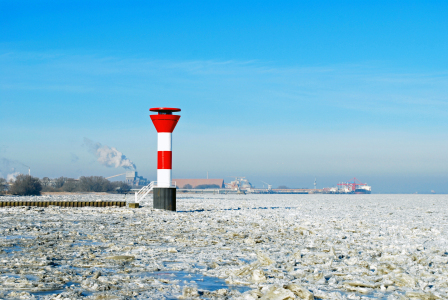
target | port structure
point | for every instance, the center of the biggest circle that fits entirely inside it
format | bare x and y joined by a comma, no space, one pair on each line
356,186
269,186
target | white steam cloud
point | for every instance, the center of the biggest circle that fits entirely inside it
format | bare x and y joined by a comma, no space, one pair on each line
12,176
8,168
109,156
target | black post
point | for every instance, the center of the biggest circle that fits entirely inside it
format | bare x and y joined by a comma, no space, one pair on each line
164,198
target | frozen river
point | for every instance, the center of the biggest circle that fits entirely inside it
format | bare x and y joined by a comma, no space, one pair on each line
229,247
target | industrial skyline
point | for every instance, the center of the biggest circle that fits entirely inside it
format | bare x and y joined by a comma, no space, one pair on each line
279,92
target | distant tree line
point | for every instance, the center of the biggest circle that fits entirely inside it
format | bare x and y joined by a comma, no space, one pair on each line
3,185
85,184
29,185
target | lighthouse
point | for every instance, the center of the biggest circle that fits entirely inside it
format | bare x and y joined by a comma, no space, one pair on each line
164,191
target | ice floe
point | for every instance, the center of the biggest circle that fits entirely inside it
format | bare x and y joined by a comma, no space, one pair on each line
228,247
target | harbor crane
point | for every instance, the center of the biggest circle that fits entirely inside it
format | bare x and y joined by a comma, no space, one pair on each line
352,185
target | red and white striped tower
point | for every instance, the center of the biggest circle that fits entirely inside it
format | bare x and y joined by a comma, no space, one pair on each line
165,122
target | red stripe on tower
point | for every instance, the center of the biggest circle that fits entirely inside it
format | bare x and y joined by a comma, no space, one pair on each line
164,159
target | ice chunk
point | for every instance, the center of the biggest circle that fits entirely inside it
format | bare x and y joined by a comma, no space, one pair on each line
278,293
258,276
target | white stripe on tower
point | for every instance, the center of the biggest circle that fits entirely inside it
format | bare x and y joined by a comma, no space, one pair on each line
164,141
164,157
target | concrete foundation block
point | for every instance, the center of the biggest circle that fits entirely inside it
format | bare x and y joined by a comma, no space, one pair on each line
164,198
134,205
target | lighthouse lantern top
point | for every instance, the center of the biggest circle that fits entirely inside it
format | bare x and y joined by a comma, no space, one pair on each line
164,110
164,121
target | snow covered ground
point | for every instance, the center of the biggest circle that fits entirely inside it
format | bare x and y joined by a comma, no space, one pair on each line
229,247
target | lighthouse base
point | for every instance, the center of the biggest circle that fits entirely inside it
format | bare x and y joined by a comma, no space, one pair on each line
164,198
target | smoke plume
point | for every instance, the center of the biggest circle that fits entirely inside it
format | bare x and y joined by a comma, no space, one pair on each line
8,168
108,156
12,176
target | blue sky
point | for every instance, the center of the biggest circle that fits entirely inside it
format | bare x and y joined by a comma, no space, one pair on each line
281,92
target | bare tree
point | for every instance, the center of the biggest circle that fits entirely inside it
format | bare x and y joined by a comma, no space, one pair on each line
45,181
70,185
2,185
60,182
26,185
94,184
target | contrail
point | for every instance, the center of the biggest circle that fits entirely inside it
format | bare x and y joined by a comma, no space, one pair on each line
108,156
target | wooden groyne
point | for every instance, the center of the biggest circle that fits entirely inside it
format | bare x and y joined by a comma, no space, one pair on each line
63,203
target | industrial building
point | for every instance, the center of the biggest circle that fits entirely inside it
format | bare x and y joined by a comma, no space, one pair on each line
199,183
132,179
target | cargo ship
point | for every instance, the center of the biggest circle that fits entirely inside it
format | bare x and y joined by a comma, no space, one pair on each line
363,189
355,187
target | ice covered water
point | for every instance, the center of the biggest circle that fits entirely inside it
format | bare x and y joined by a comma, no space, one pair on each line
229,247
